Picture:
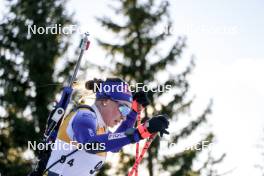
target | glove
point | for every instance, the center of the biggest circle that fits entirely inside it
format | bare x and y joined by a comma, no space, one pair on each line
140,98
159,124
156,124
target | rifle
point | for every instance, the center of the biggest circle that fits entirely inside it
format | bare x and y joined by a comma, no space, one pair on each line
56,115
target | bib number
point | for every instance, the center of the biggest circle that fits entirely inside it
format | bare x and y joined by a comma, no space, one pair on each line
70,162
97,167
63,160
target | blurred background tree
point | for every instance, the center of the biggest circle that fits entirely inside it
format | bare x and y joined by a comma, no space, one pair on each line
28,63
260,147
139,55
30,73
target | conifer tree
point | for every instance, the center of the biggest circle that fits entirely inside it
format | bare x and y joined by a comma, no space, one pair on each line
147,58
27,76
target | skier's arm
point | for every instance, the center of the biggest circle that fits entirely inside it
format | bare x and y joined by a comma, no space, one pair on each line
85,123
140,99
128,123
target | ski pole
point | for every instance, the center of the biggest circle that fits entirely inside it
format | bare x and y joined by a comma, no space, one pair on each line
145,148
137,145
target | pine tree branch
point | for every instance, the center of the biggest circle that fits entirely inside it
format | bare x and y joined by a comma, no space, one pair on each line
175,51
188,130
182,162
109,24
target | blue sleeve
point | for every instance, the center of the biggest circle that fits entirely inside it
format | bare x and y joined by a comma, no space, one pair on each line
128,123
84,128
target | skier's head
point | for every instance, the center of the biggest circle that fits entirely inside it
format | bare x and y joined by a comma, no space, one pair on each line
113,99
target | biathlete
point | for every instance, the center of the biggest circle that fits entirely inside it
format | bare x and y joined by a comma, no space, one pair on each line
89,125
